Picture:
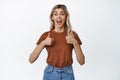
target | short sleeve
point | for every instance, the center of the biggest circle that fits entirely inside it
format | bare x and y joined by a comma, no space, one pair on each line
42,37
77,37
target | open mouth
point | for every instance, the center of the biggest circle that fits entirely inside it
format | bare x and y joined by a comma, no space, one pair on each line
59,22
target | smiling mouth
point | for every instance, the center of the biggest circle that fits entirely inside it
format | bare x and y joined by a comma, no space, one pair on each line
59,21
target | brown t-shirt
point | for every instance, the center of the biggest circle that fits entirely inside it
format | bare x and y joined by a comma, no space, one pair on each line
60,53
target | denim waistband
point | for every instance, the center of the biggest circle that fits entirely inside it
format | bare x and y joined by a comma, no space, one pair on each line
55,73
63,69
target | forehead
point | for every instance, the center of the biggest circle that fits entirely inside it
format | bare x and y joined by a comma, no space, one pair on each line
58,10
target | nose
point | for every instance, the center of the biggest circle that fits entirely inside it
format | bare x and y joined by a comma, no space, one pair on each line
59,15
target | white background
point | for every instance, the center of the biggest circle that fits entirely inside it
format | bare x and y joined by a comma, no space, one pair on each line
96,21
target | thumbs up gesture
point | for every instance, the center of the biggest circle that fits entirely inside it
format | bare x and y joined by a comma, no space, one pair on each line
70,39
49,41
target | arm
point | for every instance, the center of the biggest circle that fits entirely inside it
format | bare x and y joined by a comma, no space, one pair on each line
36,52
78,51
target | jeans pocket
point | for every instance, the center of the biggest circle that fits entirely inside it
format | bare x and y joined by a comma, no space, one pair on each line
69,70
49,69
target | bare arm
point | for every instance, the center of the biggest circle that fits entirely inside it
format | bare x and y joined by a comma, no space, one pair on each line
78,51
36,52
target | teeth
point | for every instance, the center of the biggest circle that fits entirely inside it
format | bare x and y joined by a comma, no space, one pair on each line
59,21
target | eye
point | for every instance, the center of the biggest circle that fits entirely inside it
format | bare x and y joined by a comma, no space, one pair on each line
55,14
62,13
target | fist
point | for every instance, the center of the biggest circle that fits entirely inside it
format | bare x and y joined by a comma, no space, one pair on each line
49,41
70,38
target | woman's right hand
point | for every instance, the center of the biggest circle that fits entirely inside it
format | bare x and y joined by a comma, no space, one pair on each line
48,41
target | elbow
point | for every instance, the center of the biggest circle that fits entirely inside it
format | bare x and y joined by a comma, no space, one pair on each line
31,61
82,62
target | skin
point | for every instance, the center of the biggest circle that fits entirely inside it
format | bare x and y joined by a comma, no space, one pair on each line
59,15
59,18
78,51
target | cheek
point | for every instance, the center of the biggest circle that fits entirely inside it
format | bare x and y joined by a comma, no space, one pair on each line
64,18
52,18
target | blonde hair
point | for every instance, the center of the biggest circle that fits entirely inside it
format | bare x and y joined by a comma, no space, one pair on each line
67,24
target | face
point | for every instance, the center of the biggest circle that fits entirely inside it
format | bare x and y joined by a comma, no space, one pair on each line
59,17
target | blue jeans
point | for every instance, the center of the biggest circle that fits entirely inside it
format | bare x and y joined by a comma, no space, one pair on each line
54,73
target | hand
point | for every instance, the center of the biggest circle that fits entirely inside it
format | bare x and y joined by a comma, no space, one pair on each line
49,41
70,39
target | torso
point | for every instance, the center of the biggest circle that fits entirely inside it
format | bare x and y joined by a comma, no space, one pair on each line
60,53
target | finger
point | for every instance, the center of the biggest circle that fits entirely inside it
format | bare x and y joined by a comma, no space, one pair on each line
52,40
66,37
68,41
48,35
72,34
68,34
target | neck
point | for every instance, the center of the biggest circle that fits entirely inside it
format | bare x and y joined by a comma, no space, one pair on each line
59,29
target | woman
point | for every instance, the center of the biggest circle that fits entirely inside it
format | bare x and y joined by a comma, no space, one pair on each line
59,43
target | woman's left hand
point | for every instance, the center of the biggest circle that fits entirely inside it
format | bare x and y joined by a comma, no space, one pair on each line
70,39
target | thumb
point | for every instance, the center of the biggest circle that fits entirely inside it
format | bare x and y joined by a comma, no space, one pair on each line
71,33
48,35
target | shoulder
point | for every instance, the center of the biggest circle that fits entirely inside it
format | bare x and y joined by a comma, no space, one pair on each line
42,37
45,33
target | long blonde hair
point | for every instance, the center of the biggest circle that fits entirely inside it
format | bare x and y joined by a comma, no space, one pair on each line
67,24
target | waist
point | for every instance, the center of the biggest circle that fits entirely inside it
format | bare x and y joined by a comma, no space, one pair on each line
59,62
62,69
